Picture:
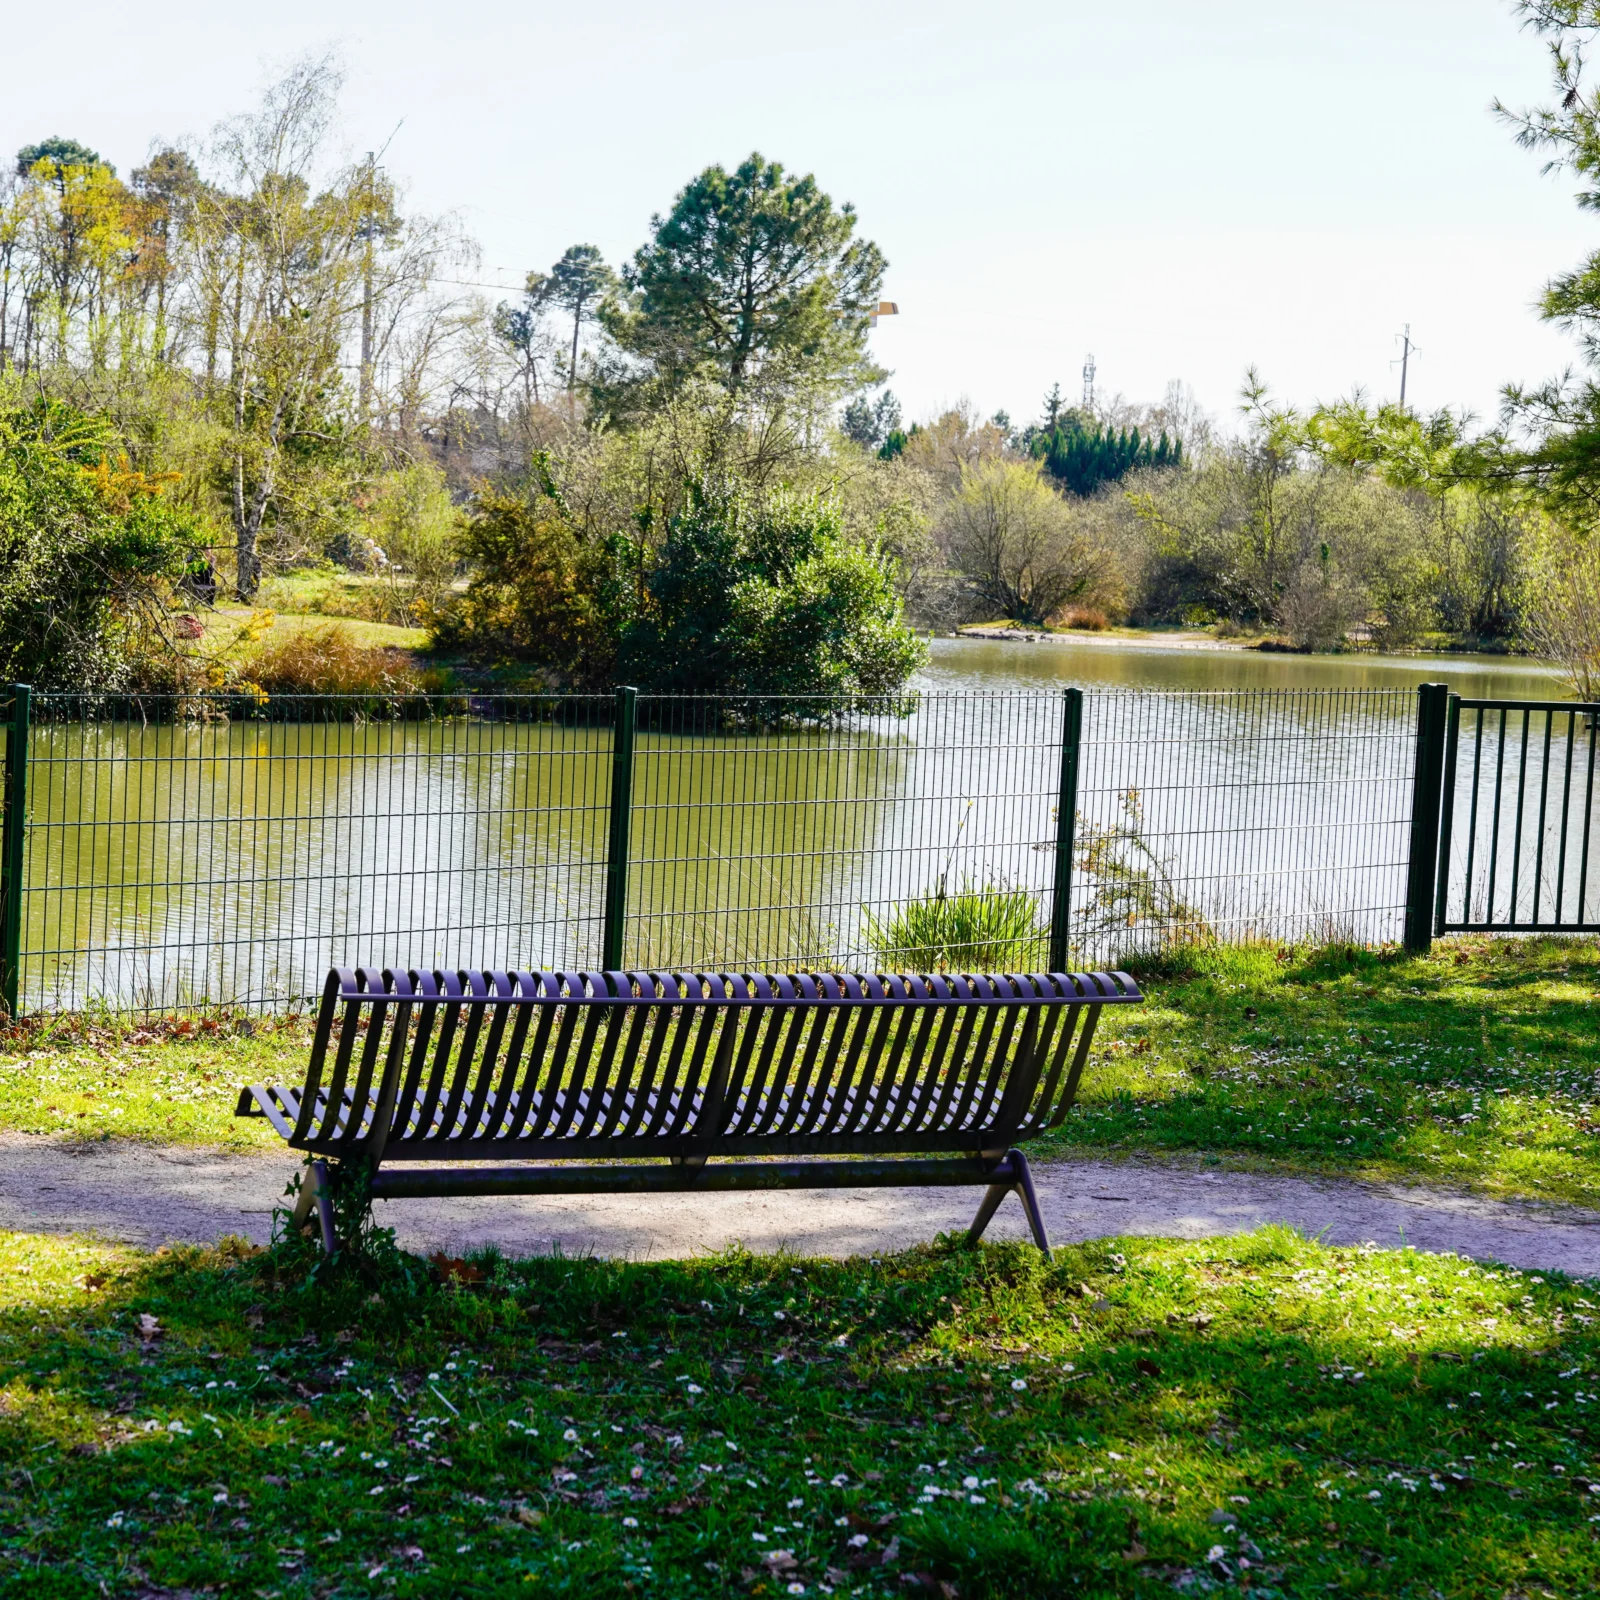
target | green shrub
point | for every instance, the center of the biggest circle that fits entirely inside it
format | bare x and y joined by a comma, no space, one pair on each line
752,594
761,594
996,928
88,549
541,596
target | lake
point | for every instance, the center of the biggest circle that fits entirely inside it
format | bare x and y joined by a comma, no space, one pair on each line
958,665
1224,790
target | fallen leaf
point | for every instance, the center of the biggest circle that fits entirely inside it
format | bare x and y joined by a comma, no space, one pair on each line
455,1268
1145,1365
149,1327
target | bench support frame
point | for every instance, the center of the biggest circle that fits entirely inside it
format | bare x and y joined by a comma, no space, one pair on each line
1017,1179
316,1189
1007,1175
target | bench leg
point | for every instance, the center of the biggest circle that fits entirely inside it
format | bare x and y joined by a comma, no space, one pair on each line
1019,1182
314,1192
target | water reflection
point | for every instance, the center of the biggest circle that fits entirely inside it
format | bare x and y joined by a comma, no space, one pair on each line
1225,789
958,664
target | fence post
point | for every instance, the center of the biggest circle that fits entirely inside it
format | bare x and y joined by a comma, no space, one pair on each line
1447,813
1427,787
621,815
1066,826
13,855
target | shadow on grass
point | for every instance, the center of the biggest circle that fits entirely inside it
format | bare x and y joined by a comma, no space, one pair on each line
1128,1418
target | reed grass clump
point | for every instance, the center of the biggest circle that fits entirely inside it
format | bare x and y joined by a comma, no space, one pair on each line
993,927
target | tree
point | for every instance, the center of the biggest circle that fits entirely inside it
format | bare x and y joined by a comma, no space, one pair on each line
1564,608
579,283
1480,517
79,230
870,425
1276,530
1562,417
58,155
1083,458
753,275
1015,542
520,328
289,274
88,549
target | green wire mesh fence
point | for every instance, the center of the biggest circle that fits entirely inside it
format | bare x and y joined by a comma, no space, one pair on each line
212,851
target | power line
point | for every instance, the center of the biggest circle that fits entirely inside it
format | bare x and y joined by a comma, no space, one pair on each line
1407,350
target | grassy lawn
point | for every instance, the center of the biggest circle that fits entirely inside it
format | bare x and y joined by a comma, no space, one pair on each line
170,1081
225,623
1474,1067
1136,1418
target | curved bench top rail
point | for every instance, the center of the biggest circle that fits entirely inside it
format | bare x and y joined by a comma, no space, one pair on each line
417,1065
476,987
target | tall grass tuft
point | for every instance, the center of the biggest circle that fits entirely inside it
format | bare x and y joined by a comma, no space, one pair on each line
330,660
993,928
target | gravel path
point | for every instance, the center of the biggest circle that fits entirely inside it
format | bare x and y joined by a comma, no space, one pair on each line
145,1195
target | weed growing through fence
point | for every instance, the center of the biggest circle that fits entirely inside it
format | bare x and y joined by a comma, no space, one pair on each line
1136,1418
1132,895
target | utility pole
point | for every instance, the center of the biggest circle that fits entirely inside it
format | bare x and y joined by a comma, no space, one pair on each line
1088,384
1406,348
365,397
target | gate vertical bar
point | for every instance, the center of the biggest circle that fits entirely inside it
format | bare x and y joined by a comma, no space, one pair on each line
616,910
13,851
1447,813
1066,826
1427,782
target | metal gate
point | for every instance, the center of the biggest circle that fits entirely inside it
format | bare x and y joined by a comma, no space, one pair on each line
1518,828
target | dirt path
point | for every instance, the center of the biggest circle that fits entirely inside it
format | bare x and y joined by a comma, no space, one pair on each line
144,1195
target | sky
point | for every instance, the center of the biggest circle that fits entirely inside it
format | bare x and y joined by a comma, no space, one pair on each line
1181,190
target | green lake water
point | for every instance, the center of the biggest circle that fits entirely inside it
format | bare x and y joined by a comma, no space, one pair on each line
233,863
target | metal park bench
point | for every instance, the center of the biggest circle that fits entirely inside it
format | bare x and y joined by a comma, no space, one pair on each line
908,1081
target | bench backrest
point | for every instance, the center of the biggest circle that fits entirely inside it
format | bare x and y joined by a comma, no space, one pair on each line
445,1065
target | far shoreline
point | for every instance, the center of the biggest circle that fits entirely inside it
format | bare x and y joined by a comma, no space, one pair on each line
1199,640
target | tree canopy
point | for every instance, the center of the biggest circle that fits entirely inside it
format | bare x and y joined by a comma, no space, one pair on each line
753,275
1084,457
